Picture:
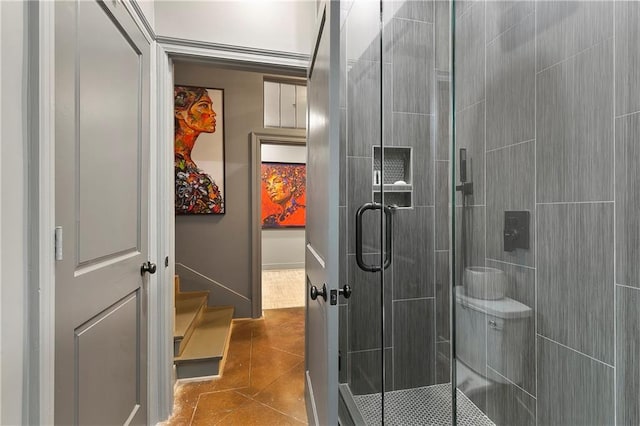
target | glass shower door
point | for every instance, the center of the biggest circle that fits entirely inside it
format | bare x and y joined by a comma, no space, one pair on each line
364,250
394,330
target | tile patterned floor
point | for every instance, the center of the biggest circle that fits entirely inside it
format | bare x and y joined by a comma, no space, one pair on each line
283,288
262,382
424,406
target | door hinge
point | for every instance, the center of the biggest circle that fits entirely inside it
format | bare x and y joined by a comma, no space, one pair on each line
58,242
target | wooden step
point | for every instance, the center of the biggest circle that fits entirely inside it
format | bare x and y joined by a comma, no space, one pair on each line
206,351
189,309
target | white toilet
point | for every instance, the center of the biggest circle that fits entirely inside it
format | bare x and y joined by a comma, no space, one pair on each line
503,322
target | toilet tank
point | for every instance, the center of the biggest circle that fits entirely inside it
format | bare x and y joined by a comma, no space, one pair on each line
506,326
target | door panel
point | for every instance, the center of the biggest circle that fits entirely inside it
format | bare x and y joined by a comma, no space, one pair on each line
107,348
322,227
102,150
110,96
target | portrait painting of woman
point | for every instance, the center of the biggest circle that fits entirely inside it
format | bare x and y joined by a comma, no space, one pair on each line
283,195
199,150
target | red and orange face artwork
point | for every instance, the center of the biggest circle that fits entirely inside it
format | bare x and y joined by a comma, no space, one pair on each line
283,195
199,150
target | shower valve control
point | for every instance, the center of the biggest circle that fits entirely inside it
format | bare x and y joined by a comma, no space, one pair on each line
516,230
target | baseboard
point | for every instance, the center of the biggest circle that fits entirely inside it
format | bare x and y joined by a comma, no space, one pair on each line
275,266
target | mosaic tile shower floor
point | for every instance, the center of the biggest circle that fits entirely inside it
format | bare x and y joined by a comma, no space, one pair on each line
430,405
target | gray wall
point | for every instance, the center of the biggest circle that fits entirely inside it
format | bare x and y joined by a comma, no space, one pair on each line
549,112
414,78
219,246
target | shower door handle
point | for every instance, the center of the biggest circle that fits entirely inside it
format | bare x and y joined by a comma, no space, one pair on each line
388,237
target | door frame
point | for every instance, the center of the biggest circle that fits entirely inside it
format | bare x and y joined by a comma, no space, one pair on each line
286,137
40,406
167,50
163,50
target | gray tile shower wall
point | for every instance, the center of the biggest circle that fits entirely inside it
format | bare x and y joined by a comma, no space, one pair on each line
575,128
413,255
573,389
510,83
414,343
627,60
575,277
470,55
442,196
510,186
627,350
562,84
627,200
627,205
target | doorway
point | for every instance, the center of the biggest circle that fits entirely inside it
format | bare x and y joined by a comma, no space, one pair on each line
279,164
214,253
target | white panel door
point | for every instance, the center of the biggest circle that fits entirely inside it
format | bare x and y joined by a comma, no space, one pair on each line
102,150
322,227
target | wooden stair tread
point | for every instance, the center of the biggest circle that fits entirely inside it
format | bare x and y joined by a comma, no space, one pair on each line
210,337
188,306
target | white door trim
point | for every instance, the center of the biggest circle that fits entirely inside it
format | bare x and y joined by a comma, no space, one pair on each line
276,137
46,223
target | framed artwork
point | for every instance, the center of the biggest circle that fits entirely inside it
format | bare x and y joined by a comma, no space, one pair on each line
199,150
284,194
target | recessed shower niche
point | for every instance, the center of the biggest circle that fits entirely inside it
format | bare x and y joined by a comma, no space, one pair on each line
398,176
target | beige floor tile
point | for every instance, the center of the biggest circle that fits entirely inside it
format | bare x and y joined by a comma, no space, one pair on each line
283,288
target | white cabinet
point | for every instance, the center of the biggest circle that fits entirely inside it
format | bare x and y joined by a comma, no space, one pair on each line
285,105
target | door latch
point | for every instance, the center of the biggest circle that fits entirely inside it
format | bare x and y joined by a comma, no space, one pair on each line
58,242
345,291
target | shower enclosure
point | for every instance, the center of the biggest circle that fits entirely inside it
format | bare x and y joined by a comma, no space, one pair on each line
489,212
